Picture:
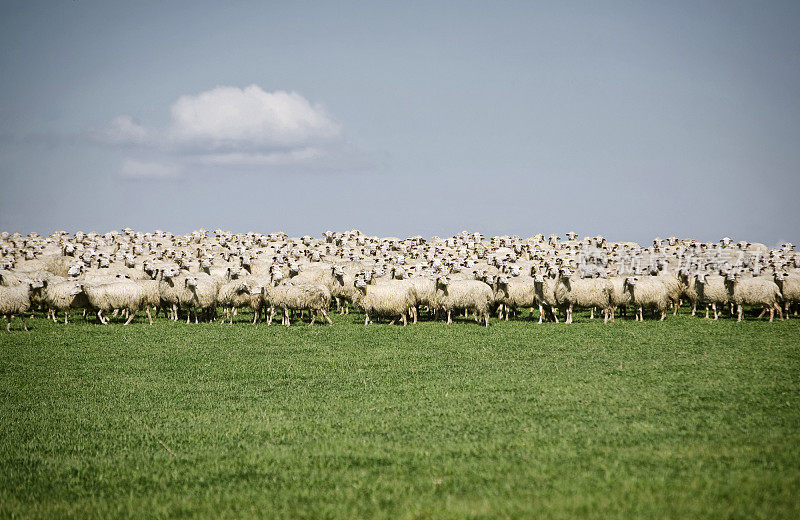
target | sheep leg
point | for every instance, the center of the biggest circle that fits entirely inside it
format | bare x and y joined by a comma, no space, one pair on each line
66,316
486,318
591,313
256,315
100,316
8,325
675,311
763,311
663,315
706,311
605,316
288,322
195,316
325,314
149,316
449,319
130,318
269,318
366,318
313,318
739,312
771,314
694,307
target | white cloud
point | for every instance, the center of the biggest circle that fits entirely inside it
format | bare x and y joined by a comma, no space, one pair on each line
132,169
124,130
230,118
235,128
301,155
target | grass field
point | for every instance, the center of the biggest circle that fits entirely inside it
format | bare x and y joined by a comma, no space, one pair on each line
680,419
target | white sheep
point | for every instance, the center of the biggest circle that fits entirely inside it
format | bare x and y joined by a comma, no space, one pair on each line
514,293
15,300
390,298
571,292
648,291
107,297
755,290
470,295
711,291
315,298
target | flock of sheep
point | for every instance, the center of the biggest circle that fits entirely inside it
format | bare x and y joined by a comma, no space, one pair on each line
211,275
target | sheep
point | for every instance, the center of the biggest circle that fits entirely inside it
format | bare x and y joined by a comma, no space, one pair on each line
387,299
789,285
573,292
711,291
315,298
648,291
674,288
620,297
118,295
424,293
512,294
203,297
753,291
342,290
64,296
545,287
471,295
151,296
233,295
689,283
14,301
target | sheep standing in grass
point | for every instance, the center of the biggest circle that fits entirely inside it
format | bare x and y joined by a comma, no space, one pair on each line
384,299
711,291
342,289
571,292
118,295
620,296
203,295
545,287
15,300
789,285
471,295
648,292
689,283
514,294
315,298
233,295
754,290
63,297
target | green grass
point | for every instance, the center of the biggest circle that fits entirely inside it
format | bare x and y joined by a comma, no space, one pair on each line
680,419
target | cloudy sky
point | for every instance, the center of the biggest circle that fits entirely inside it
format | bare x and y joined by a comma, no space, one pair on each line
628,119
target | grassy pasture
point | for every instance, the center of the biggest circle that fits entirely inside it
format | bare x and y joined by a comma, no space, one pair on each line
680,419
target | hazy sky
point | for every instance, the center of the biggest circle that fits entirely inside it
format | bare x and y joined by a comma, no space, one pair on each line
628,119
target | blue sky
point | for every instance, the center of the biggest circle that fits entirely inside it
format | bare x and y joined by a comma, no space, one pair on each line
628,119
